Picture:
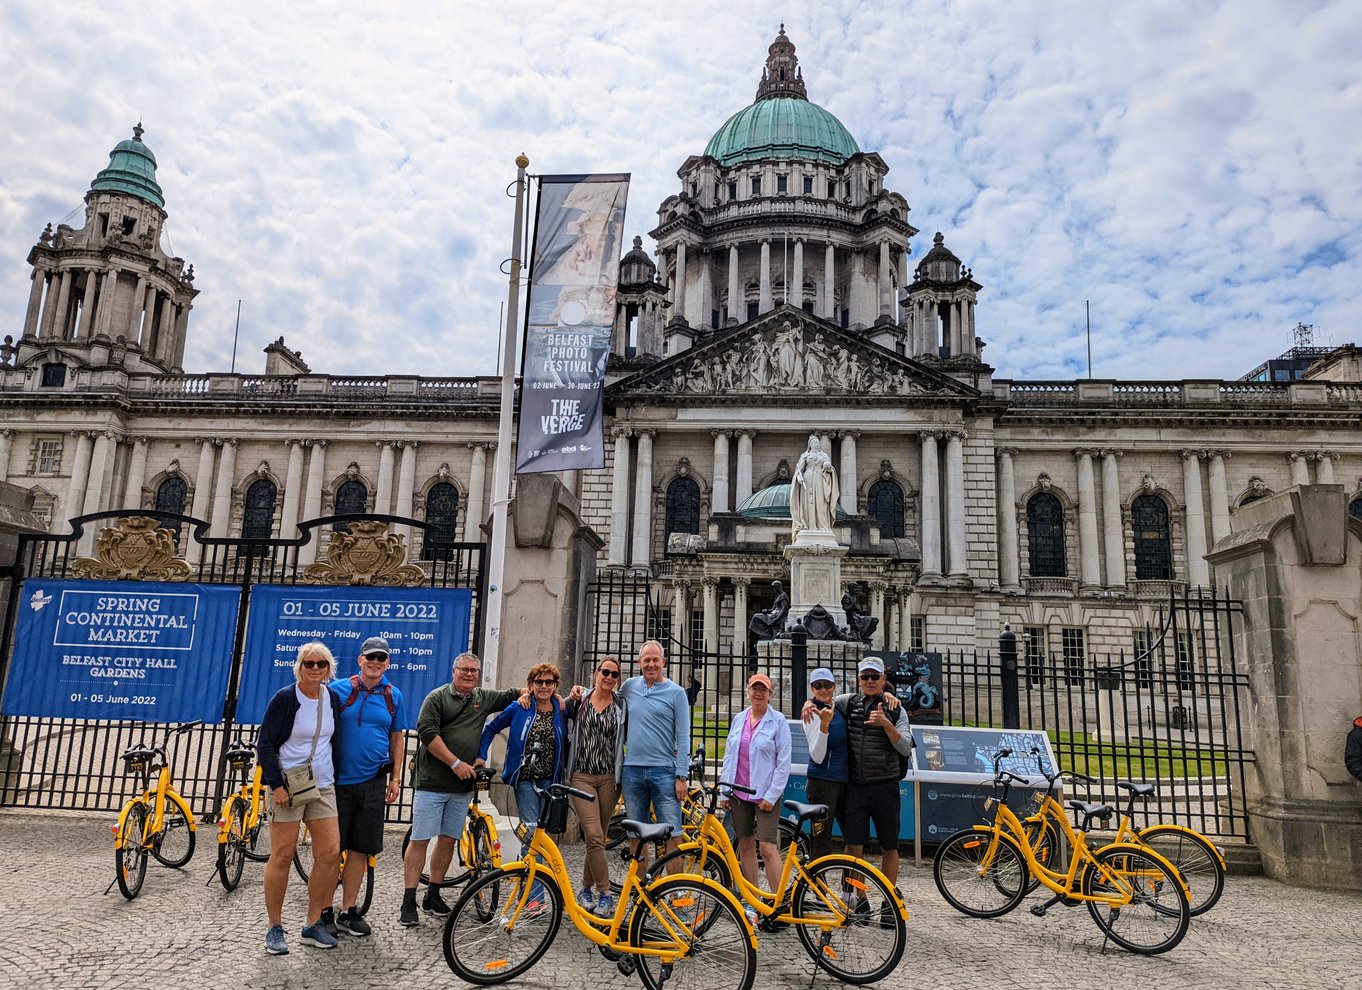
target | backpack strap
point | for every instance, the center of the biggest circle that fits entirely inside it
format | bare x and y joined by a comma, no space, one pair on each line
387,696
354,692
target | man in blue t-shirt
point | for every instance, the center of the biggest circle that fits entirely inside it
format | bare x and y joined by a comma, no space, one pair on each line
656,742
369,753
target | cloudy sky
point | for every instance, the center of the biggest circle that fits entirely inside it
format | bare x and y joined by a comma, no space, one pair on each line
1192,168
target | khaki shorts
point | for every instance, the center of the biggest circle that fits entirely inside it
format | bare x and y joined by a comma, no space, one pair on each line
322,807
748,819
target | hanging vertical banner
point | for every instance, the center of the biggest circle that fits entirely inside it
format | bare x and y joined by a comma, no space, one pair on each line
571,312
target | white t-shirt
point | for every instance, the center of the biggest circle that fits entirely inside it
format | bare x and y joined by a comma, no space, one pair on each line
295,751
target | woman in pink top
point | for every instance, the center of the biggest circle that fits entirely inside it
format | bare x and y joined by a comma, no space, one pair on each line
758,756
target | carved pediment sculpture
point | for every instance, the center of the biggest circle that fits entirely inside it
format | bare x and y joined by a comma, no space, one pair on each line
365,554
135,548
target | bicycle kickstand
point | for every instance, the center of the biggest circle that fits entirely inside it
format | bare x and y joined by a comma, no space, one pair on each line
111,886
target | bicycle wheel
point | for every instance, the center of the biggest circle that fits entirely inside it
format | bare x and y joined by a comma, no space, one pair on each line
258,838
302,853
1147,912
173,846
1195,858
130,862
487,948
709,926
970,887
865,945
232,849
1044,839
692,861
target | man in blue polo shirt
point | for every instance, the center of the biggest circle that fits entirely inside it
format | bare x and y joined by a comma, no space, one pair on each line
369,753
656,742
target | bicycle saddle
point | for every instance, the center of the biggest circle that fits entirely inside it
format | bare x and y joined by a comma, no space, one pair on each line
1090,810
240,754
647,831
1138,790
807,812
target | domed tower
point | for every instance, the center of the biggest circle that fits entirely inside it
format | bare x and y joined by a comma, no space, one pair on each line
939,306
107,293
640,302
783,207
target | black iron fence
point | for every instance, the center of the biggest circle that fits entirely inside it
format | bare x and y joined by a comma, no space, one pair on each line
74,763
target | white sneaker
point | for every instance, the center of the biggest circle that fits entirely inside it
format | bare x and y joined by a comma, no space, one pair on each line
586,898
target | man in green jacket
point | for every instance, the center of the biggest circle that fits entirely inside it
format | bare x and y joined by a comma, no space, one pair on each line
448,729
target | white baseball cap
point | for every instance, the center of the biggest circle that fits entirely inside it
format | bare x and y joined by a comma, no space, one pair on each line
822,674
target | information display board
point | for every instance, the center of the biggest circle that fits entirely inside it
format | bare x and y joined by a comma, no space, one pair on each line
154,651
426,628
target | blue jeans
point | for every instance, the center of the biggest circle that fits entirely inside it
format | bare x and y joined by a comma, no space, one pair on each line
652,789
527,807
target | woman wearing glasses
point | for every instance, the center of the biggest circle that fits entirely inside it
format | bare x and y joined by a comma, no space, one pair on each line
299,726
596,728
536,743
757,756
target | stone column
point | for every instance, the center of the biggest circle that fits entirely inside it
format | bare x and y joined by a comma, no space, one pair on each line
137,472
847,482
679,289
955,506
710,596
201,507
108,288
930,522
764,304
876,606
6,446
1089,565
1009,549
52,280
222,489
133,331
167,329
706,306
383,488
680,613
1300,467
63,302
643,504
477,486
718,497
743,481
312,498
80,474
1324,467
35,301
830,284
1198,575
1113,529
905,279
293,490
406,485
737,304
740,585
618,553
905,620
85,318
1220,499
99,466
796,298
886,282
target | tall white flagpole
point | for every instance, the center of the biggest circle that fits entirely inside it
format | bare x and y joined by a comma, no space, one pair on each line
501,471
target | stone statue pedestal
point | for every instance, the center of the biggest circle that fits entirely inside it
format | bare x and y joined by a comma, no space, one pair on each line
816,574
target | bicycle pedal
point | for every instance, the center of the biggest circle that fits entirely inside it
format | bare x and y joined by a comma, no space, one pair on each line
1038,910
626,965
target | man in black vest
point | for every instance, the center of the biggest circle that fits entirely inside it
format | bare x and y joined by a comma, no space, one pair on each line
878,736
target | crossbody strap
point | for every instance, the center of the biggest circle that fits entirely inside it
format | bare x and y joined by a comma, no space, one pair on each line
317,733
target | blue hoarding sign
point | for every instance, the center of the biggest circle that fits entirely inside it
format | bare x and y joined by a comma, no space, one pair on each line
426,628
153,651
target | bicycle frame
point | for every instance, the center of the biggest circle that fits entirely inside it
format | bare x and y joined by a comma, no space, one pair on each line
252,795
156,798
475,814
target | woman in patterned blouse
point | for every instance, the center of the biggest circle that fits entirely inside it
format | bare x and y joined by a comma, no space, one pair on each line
596,727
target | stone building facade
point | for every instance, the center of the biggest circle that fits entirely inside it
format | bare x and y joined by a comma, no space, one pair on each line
781,301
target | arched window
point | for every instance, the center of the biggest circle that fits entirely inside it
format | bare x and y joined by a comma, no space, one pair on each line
1045,535
1153,544
1355,508
351,497
258,521
885,503
170,497
683,508
442,512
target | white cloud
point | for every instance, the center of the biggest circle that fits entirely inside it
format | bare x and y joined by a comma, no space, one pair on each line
1189,167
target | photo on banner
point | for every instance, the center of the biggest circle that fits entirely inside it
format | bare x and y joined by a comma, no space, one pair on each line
143,650
570,316
426,628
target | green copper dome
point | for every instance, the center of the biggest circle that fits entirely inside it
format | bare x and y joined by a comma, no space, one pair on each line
132,170
786,127
772,502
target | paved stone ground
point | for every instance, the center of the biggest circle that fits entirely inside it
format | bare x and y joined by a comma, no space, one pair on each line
58,929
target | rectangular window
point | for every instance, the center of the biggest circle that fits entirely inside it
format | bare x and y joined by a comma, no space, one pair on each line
1074,655
732,191
808,185
756,185
752,311
54,375
1186,662
697,628
1144,663
917,633
49,457
660,624
782,185
1033,647
832,189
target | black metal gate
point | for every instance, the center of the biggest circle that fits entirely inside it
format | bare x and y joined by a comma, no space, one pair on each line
73,763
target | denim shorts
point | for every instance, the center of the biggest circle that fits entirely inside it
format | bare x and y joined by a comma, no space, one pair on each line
650,794
438,813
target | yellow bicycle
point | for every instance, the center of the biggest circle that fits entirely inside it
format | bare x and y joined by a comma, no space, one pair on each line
685,931
849,917
243,826
479,846
157,821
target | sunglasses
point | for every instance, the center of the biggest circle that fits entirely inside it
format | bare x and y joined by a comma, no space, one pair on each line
314,664
871,676
823,684
608,673
542,682
376,657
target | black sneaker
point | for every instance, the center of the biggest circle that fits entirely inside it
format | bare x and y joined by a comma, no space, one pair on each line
410,917
888,916
352,923
434,903
328,921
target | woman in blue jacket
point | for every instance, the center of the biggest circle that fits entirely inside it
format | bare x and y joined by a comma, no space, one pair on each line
543,724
